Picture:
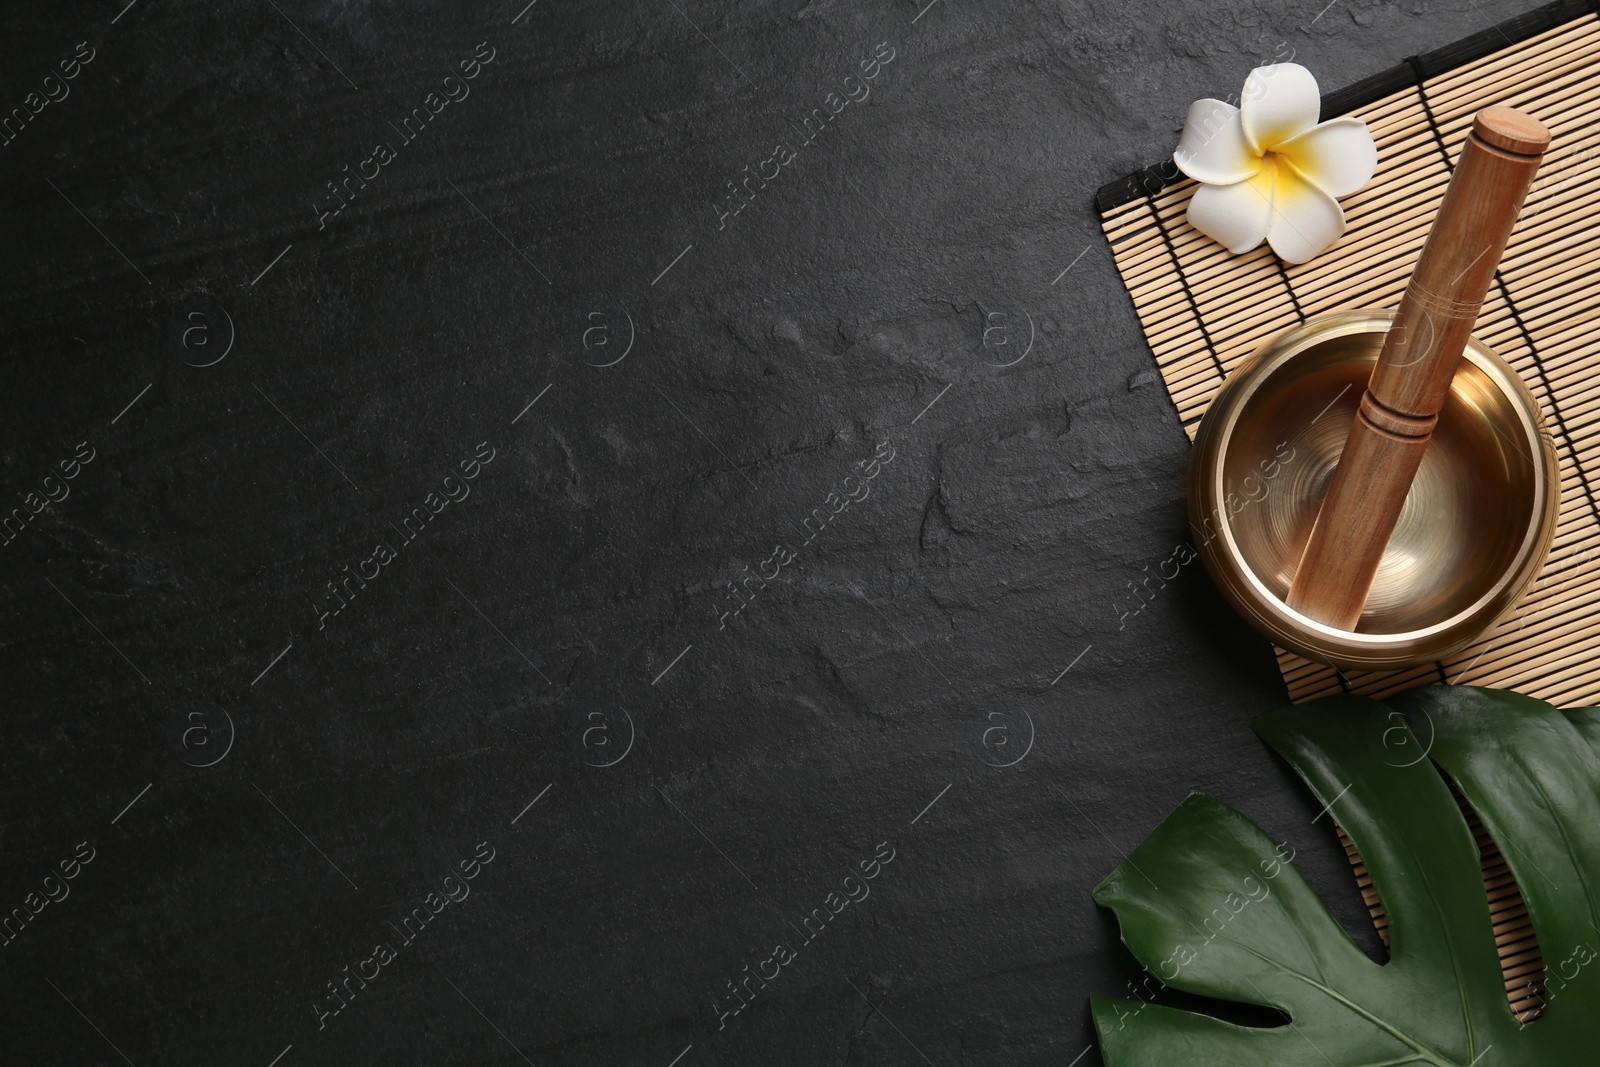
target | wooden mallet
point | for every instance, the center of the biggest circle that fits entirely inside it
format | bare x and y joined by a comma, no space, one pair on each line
1400,408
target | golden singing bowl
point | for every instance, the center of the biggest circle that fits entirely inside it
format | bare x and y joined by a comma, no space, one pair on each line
1472,536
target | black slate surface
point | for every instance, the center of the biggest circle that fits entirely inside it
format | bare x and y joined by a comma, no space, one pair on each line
252,391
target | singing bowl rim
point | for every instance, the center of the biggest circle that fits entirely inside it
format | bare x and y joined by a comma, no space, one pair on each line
1227,564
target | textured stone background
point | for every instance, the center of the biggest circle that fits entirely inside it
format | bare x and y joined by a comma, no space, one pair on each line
570,610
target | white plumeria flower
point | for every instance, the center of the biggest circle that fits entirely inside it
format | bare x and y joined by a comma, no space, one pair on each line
1269,170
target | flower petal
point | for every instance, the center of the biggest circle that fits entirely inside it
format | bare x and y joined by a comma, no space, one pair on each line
1236,216
1213,147
1337,156
1305,220
1278,102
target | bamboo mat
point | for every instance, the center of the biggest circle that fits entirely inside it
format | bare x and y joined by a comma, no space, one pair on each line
1204,311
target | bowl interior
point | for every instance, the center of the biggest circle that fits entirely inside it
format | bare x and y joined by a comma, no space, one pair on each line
1464,523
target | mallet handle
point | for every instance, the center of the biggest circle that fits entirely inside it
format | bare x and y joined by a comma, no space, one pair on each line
1400,408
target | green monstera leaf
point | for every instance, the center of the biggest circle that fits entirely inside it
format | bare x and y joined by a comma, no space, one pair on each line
1210,905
